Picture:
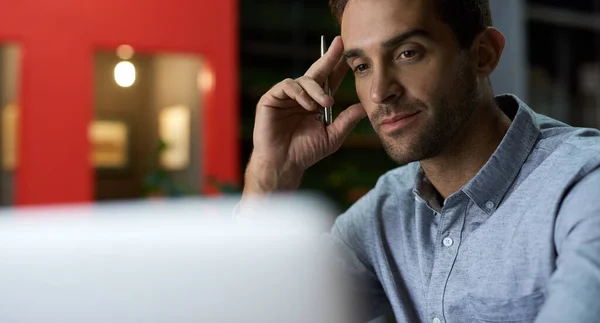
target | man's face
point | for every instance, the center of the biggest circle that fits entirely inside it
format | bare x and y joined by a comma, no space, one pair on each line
416,85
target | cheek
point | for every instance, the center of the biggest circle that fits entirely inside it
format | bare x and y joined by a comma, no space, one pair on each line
361,89
363,93
427,83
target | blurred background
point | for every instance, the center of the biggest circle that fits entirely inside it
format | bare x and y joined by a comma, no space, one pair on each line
105,100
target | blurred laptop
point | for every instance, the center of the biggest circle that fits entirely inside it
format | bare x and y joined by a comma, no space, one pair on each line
169,261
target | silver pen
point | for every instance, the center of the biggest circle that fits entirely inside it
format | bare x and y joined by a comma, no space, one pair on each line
328,113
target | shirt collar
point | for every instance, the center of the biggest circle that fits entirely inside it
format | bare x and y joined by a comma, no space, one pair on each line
491,183
424,190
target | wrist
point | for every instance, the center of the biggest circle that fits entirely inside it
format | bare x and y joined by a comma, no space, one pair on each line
263,178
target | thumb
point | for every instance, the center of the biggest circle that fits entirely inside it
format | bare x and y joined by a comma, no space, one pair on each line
344,123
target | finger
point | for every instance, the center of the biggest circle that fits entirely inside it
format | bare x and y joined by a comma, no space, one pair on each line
321,69
290,89
344,123
337,76
339,130
315,91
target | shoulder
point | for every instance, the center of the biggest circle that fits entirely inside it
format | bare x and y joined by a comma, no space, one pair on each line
390,187
557,135
572,148
393,190
398,180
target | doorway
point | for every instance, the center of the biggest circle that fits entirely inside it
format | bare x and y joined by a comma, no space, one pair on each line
146,131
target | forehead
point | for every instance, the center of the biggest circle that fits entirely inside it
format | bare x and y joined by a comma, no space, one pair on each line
369,22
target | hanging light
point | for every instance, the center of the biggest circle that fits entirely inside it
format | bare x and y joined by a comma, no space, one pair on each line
125,52
205,80
125,74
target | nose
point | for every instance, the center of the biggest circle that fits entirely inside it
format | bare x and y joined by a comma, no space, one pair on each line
385,88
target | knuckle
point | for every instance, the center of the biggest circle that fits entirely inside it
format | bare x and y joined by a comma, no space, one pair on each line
304,78
262,100
302,92
262,103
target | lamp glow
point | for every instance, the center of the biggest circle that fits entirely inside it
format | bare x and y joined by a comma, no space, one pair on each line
125,52
125,74
206,80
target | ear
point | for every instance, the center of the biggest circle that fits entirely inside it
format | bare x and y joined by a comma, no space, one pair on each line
487,50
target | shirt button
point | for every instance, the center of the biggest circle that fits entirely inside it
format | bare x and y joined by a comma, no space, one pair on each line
489,204
448,241
436,320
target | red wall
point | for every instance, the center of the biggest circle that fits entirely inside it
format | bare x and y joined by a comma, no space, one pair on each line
58,39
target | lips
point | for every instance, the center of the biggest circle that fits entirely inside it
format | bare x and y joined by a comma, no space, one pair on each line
398,121
398,117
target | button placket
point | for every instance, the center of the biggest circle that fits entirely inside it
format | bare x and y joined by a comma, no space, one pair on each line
441,268
448,240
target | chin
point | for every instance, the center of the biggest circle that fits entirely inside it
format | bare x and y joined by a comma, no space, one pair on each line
404,159
400,152
408,149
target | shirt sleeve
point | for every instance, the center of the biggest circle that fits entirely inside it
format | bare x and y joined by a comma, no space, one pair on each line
574,288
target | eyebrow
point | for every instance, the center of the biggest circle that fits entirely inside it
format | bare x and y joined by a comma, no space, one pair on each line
390,43
402,37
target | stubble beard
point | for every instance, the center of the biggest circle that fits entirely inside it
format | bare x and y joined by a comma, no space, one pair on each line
446,120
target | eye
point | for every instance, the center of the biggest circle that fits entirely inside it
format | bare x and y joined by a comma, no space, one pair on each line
360,68
408,54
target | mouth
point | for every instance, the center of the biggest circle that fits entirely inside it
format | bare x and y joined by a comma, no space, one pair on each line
398,122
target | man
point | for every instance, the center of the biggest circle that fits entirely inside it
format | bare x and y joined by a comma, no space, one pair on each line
495,216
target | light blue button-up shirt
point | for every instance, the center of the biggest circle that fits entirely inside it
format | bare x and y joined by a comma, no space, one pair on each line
520,242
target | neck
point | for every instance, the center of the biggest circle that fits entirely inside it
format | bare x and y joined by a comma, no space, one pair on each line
468,151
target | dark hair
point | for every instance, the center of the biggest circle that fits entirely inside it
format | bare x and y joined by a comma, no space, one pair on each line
467,18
